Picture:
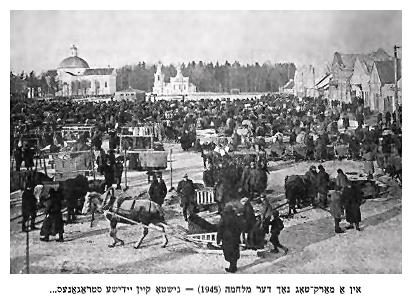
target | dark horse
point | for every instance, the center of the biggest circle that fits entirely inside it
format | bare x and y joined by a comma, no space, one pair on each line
128,210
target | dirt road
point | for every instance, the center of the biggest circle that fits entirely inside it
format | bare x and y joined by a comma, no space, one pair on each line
314,247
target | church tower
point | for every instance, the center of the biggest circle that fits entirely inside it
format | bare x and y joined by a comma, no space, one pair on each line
158,86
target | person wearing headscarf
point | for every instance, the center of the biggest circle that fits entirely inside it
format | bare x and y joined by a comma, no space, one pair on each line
53,223
341,180
351,199
323,185
228,235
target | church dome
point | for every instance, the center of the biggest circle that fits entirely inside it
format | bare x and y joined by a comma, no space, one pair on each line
73,62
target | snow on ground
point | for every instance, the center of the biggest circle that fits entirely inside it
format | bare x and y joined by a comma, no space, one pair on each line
314,247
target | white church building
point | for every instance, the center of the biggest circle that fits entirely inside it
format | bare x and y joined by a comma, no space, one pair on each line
76,78
178,85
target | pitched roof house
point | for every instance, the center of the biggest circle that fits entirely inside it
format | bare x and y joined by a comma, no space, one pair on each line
382,85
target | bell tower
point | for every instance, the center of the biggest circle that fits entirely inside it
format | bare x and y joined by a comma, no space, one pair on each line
158,85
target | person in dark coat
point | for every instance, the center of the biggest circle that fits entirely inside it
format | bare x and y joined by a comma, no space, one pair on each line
157,191
249,220
245,179
341,180
351,199
228,234
255,178
114,141
53,223
388,118
276,226
118,170
109,169
310,147
186,189
292,138
311,184
29,208
354,148
28,156
208,177
336,209
322,184
101,161
18,157
263,178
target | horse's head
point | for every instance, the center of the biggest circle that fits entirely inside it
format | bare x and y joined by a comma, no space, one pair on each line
42,194
92,202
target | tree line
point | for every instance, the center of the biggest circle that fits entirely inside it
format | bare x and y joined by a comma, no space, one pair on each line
209,77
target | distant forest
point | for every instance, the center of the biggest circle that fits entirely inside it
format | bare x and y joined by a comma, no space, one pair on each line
209,77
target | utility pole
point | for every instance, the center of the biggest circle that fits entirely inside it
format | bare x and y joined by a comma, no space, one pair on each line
314,83
395,53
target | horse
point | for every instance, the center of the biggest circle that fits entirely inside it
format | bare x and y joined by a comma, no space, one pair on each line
296,191
73,189
125,208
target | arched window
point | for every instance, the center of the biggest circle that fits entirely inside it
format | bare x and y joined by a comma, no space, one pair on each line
105,84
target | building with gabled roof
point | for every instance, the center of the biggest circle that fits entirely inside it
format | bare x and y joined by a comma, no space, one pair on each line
350,70
362,72
382,86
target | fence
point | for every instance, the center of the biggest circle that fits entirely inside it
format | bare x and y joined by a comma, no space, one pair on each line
205,196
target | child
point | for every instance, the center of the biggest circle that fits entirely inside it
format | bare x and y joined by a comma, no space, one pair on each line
276,225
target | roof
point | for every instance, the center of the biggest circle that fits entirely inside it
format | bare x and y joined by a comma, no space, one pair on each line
289,85
99,71
51,73
369,59
386,71
346,60
73,62
131,91
324,81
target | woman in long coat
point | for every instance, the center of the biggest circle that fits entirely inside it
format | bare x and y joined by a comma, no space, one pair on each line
336,209
53,223
352,198
229,234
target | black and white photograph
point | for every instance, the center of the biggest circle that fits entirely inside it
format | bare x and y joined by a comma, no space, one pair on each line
205,142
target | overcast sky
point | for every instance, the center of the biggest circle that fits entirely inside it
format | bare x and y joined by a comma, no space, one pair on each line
39,40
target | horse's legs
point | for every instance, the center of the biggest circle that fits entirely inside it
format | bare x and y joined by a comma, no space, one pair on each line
138,243
91,222
166,241
113,234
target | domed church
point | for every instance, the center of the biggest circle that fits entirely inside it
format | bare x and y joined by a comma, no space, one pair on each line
76,78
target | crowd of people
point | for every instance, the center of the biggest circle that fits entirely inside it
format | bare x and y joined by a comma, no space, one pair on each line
313,123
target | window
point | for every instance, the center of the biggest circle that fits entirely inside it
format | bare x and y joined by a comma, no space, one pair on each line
105,84
158,77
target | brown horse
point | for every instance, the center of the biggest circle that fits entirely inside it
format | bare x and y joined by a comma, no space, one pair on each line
126,209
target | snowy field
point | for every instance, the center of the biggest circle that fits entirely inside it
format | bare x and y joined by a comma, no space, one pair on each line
314,247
